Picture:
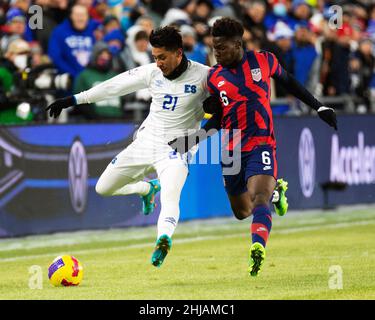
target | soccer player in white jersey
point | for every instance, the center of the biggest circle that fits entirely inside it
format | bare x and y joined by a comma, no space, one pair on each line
178,89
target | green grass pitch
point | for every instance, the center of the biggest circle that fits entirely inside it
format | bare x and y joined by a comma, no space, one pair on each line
307,254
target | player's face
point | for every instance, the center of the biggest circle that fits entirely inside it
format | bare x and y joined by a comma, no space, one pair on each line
166,60
226,50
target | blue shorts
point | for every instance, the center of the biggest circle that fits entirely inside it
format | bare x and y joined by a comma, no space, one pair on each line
259,161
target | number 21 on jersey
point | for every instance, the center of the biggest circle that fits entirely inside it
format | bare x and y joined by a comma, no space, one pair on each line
169,102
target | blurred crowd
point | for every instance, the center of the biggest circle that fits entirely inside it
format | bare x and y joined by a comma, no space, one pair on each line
73,45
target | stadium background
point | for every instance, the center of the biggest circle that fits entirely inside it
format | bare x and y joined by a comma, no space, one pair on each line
49,167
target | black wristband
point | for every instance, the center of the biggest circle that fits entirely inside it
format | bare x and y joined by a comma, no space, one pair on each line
70,101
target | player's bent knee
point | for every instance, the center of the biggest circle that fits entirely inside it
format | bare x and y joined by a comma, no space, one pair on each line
259,199
102,190
241,214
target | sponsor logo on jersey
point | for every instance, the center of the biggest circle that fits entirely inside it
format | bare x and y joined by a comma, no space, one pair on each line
256,74
220,83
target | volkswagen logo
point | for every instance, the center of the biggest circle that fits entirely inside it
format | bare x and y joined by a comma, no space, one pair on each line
78,174
306,162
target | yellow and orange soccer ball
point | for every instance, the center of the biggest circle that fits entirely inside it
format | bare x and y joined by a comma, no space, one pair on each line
65,271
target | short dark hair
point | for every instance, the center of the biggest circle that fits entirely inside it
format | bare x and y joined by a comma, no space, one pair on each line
227,27
167,37
141,35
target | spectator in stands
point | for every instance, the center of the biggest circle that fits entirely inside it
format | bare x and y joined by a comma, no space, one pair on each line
201,30
180,13
336,53
54,13
14,61
283,36
200,18
98,70
139,53
7,70
89,4
301,13
157,9
193,50
23,5
147,23
207,41
251,42
138,43
227,8
3,9
115,40
202,11
343,65
127,11
371,23
362,66
304,55
86,3
16,27
72,41
111,23
99,10
279,12
254,14
38,57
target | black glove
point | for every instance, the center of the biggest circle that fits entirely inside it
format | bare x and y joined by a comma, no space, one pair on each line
56,107
328,115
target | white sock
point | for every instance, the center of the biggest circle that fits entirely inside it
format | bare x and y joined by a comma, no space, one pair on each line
168,219
142,188
172,180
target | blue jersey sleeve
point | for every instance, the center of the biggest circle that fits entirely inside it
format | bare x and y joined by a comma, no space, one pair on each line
276,70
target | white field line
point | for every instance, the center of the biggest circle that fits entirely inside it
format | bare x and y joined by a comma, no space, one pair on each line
304,219
126,234
190,239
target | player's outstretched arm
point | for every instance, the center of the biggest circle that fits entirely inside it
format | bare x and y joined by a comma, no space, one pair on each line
58,105
183,144
327,114
122,84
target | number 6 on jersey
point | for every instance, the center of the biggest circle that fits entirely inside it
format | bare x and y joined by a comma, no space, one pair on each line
266,158
224,98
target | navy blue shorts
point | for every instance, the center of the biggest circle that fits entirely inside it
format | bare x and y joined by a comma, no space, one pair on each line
260,161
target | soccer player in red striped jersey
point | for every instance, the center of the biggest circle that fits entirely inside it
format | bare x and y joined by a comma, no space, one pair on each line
241,83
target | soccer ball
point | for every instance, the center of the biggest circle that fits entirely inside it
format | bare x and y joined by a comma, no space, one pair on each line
65,271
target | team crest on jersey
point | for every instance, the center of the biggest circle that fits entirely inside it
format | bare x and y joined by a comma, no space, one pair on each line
256,74
132,72
159,83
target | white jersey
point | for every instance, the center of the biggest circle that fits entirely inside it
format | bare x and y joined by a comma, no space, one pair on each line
176,104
